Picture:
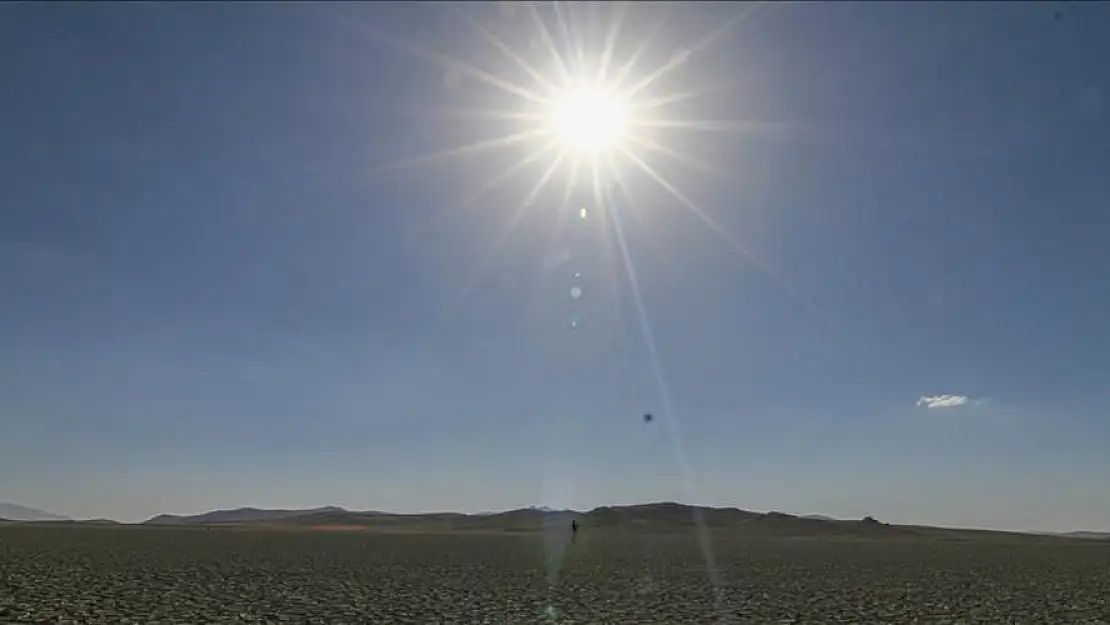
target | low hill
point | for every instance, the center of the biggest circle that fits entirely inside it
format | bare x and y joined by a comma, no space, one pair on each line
239,515
653,518
1078,534
665,517
16,512
84,522
1088,535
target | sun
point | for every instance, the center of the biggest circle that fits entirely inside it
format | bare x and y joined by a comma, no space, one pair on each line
589,121
570,96
571,99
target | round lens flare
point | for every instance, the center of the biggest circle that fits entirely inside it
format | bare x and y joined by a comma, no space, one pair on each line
590,120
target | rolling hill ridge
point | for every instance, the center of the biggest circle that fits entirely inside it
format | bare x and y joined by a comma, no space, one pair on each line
663,517
16,512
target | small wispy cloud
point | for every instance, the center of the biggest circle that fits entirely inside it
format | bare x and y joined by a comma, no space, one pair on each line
943,401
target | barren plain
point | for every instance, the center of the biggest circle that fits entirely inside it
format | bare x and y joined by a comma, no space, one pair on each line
76,574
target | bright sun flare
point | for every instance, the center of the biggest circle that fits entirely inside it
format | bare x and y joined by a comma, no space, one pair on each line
575,102
589,120
586,107
596,109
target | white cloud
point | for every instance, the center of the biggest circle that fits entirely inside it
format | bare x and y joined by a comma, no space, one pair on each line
943,401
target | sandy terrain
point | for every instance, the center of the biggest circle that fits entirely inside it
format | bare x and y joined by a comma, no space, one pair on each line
177,575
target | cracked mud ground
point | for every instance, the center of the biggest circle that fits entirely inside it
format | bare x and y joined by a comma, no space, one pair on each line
160,575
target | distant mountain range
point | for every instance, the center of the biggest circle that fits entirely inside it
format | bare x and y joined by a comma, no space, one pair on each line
655,517
16,512
651,518
644,514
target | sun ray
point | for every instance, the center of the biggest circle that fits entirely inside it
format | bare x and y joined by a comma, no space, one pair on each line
622,73
611,41
479,146
655,146
613,275
639,216
470,114
562,212
596,180
673,422
549,43
500,45
475,195
575,49
679,60
568,193
768,129
499,240
693,208
704,125
728,238
654,252
572,181
682,96
862,136
448,63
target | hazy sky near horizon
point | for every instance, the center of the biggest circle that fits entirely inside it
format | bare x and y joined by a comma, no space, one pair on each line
225,282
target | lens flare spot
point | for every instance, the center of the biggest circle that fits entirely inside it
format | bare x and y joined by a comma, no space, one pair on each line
582,213
575,292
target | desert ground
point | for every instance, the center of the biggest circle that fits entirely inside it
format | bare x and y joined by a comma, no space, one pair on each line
80,574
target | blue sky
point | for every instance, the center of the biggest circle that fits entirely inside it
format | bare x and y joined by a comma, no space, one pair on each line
222,286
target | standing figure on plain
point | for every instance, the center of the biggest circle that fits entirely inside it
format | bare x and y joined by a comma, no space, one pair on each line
573,530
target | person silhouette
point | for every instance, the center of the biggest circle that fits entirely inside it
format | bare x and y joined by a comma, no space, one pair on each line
573,530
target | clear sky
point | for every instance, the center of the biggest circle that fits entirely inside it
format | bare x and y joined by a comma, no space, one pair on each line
228,280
